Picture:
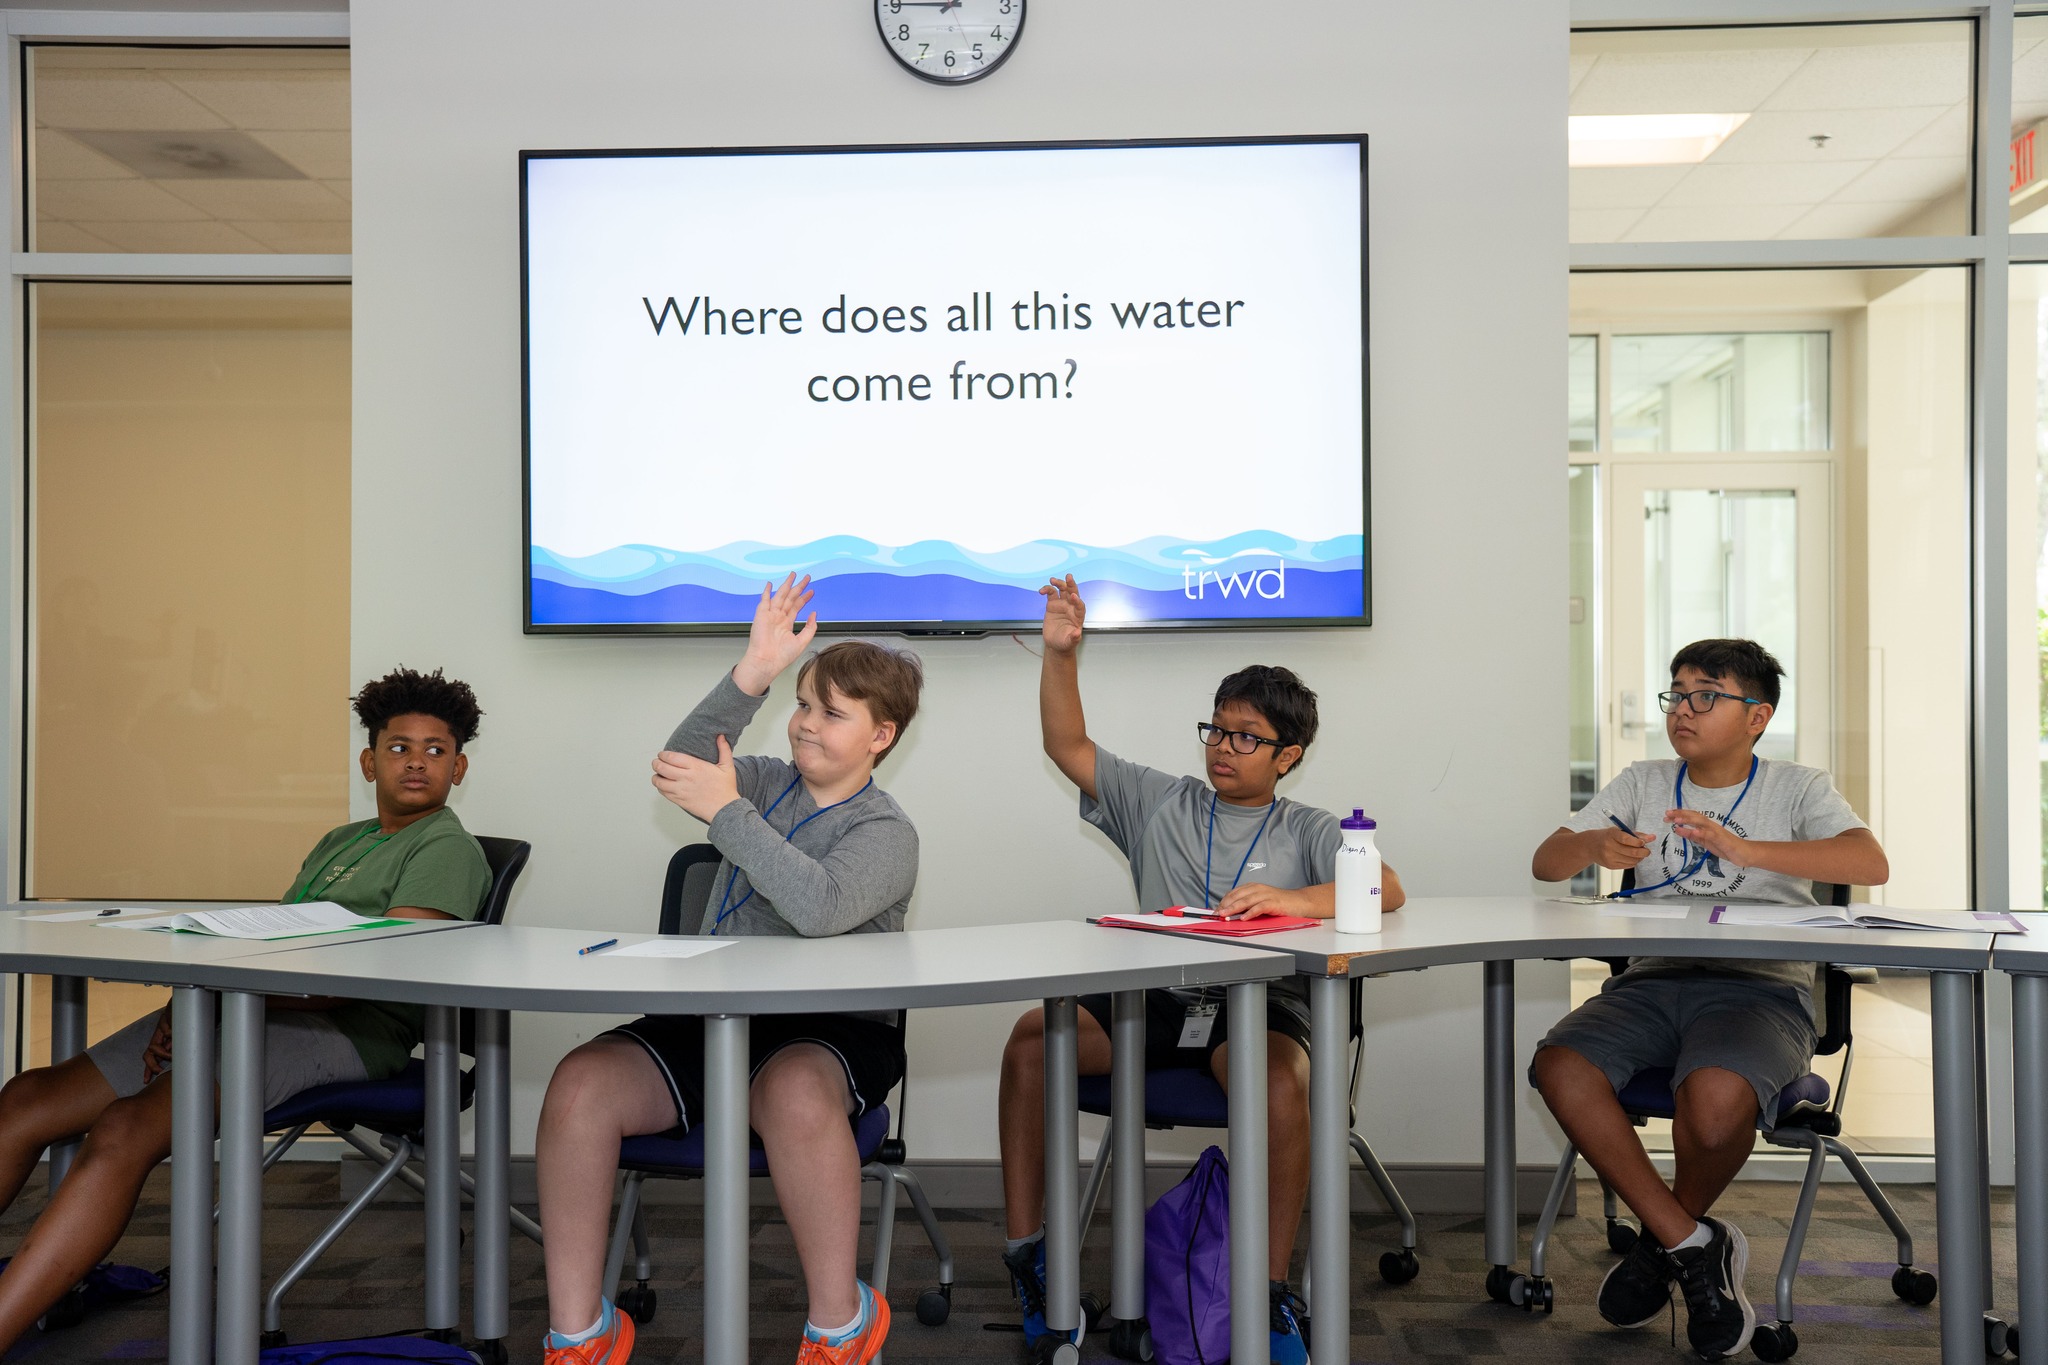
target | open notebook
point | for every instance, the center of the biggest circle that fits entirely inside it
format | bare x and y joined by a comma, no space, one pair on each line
1866,917
259,921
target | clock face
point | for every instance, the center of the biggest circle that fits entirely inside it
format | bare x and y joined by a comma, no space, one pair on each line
950,41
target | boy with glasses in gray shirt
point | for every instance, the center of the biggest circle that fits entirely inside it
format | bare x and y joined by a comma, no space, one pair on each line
1230,844
1717,821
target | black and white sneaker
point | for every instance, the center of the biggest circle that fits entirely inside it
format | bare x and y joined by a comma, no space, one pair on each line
1719,1320
1637,1289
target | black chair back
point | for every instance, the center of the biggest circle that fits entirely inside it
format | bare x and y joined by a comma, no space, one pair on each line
506,859
691,872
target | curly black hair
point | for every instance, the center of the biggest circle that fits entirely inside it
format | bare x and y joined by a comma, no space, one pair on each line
409,692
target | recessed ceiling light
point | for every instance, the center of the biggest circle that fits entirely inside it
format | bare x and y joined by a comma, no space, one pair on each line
1648,139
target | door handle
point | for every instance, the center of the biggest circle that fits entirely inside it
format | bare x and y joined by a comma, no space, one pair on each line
1632,713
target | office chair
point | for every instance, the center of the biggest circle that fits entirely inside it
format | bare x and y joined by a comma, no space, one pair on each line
1186,1097
668,1156
1807,1119
394,1109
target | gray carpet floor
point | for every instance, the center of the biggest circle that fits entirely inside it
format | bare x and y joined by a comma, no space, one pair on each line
370,1283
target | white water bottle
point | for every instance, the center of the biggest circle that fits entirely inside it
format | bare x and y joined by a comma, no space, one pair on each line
1358,877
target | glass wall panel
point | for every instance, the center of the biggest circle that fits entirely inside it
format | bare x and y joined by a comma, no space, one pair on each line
2027,454
1584,388
1723,134
1761,391
189,149
188,586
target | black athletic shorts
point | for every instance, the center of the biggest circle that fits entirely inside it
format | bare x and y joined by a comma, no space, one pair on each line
871,1052
1165,1012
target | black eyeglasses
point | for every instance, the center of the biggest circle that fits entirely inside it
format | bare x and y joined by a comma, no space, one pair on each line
1241,741
1701,701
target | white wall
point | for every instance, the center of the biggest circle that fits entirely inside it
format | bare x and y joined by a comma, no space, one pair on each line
1446,718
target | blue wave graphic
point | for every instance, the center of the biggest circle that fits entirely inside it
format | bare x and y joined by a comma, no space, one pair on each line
1250,575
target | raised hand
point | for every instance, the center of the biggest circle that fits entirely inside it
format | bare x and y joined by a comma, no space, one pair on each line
774,641
1064,614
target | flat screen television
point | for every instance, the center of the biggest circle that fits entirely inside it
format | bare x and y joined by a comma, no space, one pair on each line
933,377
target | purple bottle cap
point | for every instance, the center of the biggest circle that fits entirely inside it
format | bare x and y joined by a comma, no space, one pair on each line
1357,820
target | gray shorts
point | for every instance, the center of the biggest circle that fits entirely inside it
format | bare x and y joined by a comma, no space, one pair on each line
301,1049
1757,1029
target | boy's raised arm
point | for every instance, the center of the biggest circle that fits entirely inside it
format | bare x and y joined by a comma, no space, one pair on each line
1064,727
773,644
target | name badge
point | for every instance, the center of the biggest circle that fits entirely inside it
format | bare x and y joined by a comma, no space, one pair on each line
1199,1024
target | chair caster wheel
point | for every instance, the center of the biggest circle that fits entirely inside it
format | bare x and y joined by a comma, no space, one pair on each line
1399,1267
638,1304
271,1340
1093,1311
2012,1340
1621,1238
1997,1336
1914,1286
1497,1278
1052,1351
1532,1294
1773,1344
1130,1339
490,1352
934,1306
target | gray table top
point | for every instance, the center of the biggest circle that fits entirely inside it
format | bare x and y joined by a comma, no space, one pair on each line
514,968
94,949
2024,953
1437,931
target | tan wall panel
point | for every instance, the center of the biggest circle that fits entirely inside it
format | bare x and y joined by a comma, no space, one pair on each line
189,579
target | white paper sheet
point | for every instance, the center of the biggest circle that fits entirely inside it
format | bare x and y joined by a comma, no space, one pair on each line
667,947
260,921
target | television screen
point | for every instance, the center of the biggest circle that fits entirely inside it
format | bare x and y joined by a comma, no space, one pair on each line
934,377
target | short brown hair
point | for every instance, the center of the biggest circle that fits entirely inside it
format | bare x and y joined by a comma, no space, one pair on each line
888,680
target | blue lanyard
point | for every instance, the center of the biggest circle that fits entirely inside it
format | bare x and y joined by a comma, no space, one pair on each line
1207,902
1690,863
723,913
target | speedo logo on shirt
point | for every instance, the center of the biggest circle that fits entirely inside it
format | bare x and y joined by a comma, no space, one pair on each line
1254,867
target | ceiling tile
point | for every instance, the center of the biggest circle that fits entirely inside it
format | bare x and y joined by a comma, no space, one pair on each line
2029,70
261,200
201,236
272,100
1622,187
56,236
1880,76
1853,135
1838,219
1948,135
1601,225
341,187
62,157
321,155
117,201
1713,223
303,238
117,99
1766,183
1901,178
1710,82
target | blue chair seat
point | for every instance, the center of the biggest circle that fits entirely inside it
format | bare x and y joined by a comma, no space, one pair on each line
397,1104
1177,1096
674,1153
1648,1093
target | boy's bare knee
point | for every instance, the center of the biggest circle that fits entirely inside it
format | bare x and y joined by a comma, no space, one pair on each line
1024,1054
1718,1107
799,1085
131,1131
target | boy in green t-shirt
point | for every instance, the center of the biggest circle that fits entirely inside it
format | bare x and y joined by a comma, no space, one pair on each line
413,861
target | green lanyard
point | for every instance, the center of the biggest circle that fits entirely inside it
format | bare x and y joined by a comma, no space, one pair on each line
341,871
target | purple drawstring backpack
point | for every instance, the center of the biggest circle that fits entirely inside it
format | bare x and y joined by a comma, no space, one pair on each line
1187,1266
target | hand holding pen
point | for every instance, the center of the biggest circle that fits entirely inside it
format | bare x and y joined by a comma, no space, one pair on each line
1622,848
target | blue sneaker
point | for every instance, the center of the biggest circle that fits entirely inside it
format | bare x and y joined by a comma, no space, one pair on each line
1026,1265
1290,1325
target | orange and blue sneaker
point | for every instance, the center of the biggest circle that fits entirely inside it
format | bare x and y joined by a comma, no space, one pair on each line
858,1344
611,1343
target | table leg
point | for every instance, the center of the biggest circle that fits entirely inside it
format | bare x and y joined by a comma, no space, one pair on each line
1062,1170
491,1207
192,1082
240,1290
67,1040
2030,1154
1498,1030
1959,1172
1250,1332
725,1189
444,1185
1329,1164
1127,1159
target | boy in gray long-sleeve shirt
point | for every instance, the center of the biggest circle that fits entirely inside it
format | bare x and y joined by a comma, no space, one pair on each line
812,848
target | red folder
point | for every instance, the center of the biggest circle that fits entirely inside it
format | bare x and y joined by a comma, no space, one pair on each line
1172,923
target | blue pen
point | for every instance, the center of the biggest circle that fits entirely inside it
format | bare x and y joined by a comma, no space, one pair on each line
1614,820
596,947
